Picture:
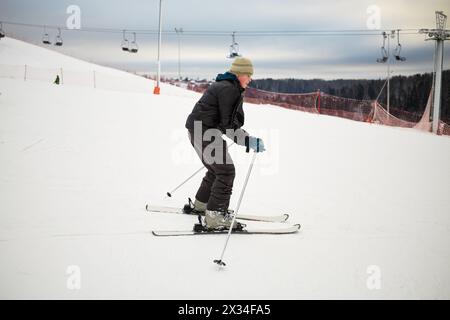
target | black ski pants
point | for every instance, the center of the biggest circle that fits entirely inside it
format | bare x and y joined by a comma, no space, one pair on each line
217,184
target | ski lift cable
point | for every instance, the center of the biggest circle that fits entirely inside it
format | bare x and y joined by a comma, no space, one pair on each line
225,33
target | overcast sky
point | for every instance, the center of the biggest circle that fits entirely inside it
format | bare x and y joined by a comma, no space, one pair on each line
327,57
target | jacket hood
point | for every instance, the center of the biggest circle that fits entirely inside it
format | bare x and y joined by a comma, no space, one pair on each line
226,76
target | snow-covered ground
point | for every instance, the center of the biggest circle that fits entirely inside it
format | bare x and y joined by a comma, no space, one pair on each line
78,164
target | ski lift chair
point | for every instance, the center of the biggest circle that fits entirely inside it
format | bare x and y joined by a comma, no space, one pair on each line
58,39
133,46
397,53
2,33
234,51
398,50
234,48
125,43
384,54
46,38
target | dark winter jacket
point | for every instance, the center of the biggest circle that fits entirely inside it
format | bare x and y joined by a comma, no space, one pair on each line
220,106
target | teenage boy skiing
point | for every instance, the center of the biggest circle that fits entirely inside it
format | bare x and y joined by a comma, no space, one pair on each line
219,111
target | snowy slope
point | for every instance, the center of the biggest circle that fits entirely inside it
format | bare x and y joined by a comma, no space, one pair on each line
78,164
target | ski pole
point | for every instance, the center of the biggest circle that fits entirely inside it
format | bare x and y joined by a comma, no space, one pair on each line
220,261
169,194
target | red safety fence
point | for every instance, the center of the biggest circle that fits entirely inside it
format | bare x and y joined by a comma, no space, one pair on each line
370,111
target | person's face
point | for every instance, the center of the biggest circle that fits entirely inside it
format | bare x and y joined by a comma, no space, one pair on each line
244,80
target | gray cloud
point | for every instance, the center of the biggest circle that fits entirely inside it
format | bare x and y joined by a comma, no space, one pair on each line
204,56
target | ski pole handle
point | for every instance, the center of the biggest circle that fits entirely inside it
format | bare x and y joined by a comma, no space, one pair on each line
247,144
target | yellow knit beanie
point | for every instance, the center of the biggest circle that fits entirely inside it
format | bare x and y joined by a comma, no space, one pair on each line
242,66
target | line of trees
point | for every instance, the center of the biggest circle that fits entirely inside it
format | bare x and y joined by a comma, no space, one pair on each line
407,93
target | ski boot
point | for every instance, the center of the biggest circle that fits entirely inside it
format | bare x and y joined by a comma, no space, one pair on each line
195,208
221,220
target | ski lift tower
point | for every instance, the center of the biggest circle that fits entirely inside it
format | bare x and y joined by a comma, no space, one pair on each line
440,34
179,31
156,90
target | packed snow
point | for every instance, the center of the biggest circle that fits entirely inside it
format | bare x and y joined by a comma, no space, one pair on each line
78,164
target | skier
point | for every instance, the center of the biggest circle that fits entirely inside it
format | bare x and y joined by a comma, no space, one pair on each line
220,108
56,80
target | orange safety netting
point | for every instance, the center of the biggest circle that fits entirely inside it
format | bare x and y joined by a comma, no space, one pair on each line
360,110
297,101
353,109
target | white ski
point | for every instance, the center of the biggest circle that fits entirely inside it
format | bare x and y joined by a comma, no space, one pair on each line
162,209
274,231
